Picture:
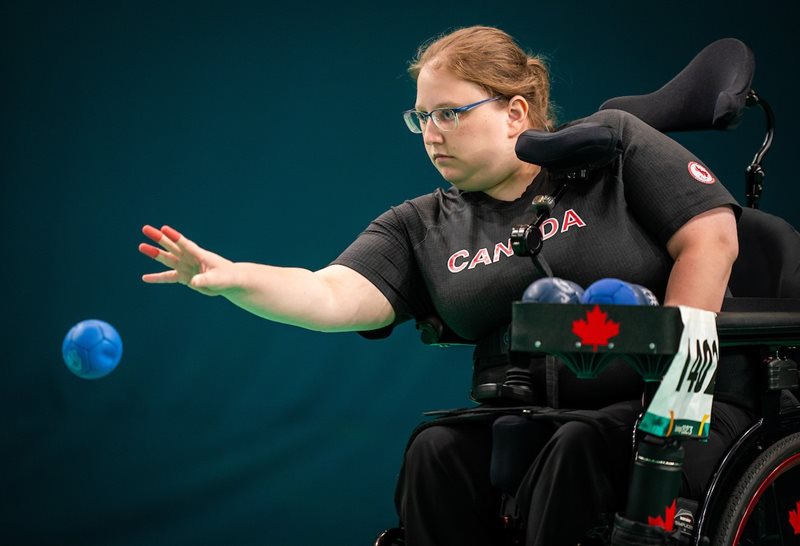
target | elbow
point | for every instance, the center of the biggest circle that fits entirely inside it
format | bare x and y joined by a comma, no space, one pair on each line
709,237
719,253
728,248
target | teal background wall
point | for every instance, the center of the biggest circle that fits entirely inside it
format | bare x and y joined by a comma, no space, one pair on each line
267,133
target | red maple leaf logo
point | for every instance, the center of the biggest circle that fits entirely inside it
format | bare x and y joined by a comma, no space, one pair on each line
667,522
794,519
596,330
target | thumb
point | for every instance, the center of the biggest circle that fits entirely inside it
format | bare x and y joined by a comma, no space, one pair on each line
205,283
214,281
199,281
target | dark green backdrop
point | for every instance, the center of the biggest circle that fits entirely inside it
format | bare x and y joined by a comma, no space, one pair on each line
269,134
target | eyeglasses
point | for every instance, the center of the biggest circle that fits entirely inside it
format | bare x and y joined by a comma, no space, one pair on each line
446,119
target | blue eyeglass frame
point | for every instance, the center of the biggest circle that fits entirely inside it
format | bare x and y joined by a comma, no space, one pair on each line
425,116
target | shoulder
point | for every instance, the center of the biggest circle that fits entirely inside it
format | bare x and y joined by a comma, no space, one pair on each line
431,207
637,138
626,123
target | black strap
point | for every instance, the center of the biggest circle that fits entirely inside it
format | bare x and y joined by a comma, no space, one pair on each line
551,374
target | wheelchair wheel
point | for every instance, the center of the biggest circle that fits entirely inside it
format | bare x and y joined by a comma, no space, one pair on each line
392,537
764,507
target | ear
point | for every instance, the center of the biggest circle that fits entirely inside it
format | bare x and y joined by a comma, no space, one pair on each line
517,115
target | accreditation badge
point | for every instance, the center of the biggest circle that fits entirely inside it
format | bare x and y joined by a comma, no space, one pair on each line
681,406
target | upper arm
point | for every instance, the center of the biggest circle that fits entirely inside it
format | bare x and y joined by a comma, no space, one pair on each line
704,250
665,185
711,233
382,266
359,303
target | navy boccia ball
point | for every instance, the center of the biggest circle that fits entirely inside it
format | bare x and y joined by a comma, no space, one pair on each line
612,291
553,290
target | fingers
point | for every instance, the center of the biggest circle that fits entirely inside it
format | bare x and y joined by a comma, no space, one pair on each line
180,241
171,233
166,258
182,256
149,250
151,233
159,237
165,277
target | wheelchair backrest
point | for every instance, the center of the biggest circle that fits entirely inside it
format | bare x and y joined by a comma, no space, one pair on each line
768,265
711,92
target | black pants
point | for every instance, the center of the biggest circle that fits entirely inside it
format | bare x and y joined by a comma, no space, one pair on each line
445,495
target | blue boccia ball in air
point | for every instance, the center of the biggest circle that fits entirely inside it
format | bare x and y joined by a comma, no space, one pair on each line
618,292
553,290
92,349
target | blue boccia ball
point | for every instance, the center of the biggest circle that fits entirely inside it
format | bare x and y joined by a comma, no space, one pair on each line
553,290
618,292
92,349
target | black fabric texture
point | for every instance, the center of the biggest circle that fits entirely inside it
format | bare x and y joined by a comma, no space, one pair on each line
450,484
710,93
769,257
449,252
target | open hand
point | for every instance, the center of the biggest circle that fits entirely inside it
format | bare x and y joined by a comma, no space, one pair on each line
188,264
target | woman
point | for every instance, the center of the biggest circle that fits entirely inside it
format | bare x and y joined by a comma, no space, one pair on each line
650,220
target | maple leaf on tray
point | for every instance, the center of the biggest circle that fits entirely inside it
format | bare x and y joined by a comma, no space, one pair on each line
666,522
595,330
794,519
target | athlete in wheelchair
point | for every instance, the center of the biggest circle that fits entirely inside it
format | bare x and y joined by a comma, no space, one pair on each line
753,494
619,199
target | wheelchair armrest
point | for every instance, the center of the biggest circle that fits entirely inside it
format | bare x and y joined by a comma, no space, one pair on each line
433,331
746,321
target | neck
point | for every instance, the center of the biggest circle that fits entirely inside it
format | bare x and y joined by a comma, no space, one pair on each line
515,185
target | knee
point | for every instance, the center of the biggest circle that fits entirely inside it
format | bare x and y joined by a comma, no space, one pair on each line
432,444
576,443
576,435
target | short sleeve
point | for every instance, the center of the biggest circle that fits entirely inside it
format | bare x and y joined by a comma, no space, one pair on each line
383,254
664,184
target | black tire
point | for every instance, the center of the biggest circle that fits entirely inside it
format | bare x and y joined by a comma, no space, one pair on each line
395,536
758,477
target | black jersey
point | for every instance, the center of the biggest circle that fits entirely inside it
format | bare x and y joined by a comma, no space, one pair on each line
449,252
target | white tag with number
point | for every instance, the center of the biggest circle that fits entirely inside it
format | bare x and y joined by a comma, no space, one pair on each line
682,404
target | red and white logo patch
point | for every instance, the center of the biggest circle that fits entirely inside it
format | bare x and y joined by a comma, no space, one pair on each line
700,173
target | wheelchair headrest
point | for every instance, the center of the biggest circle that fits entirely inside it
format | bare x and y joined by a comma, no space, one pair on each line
709,93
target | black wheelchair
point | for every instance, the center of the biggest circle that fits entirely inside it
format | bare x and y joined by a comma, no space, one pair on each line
754,494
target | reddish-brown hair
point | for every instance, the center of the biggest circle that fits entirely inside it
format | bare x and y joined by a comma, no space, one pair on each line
490,58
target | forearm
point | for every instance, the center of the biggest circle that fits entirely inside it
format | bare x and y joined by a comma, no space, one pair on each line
333,299
299,297
288,295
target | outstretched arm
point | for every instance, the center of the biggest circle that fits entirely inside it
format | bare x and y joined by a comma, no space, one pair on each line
333,299
704,250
